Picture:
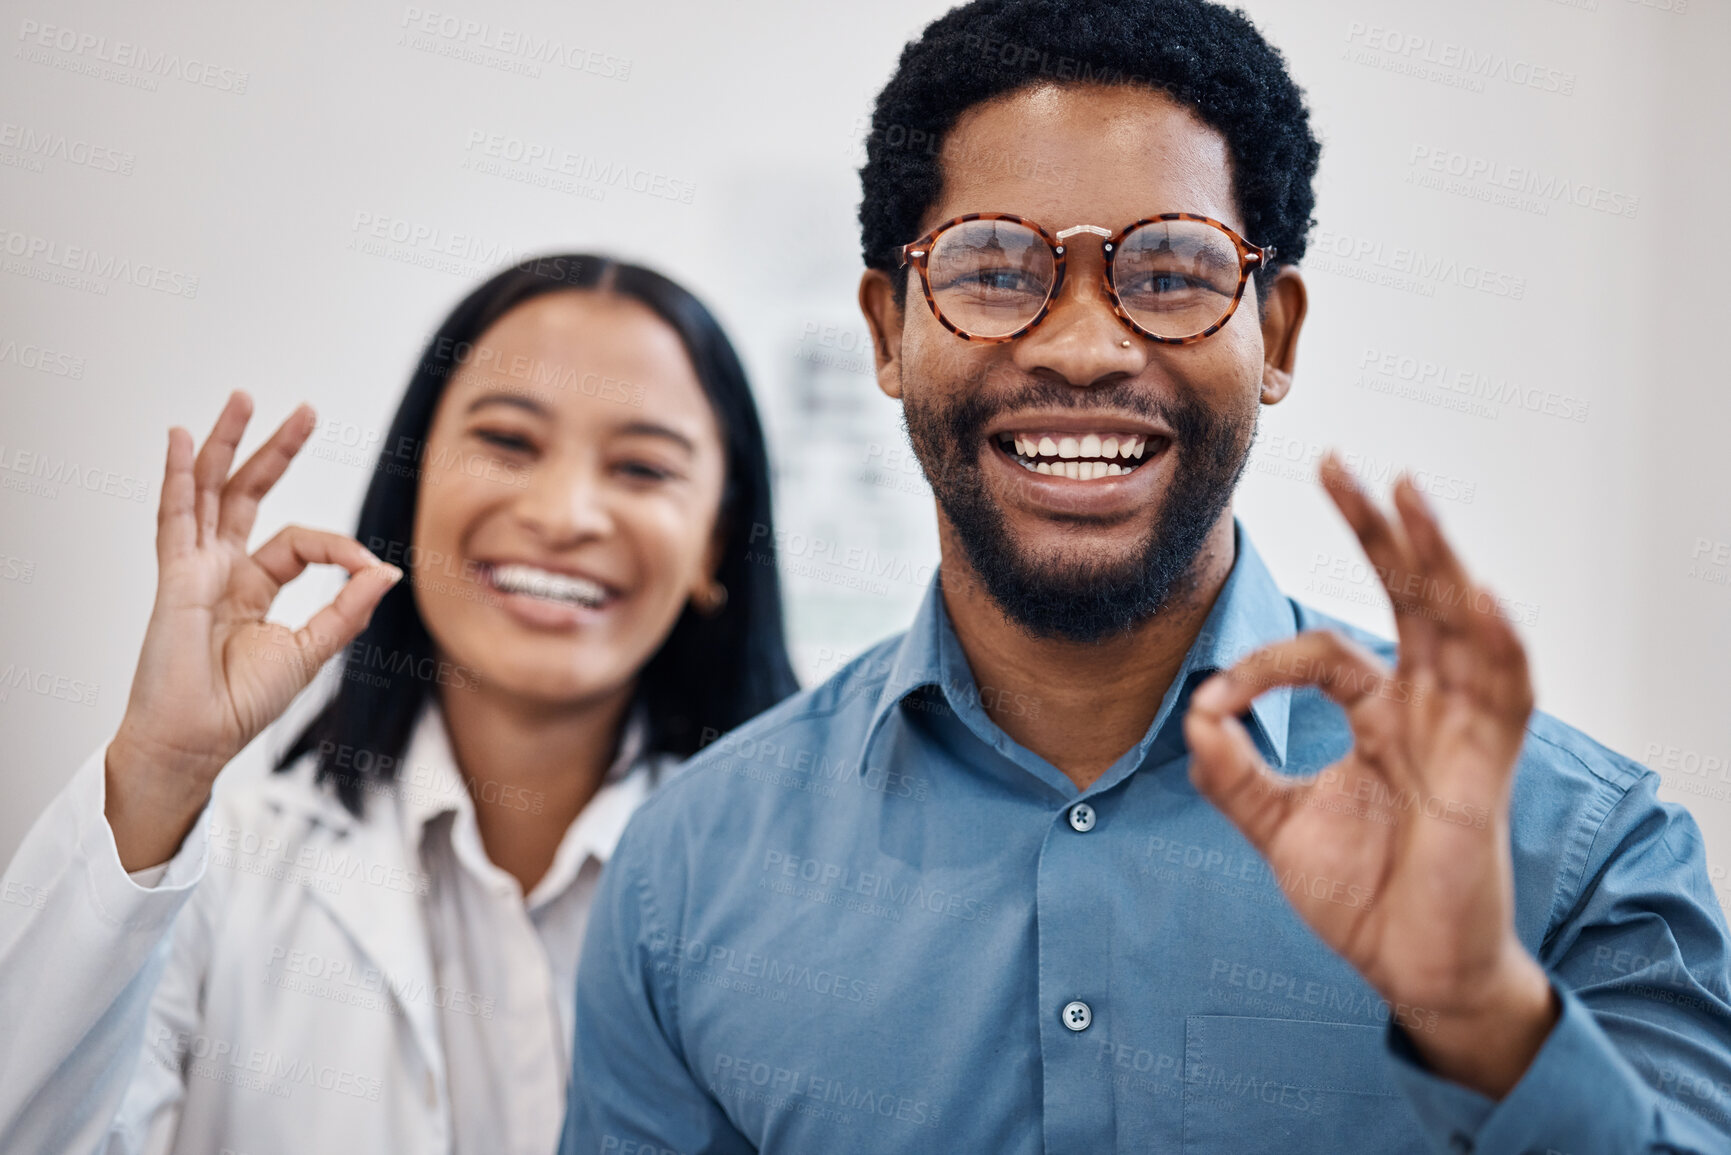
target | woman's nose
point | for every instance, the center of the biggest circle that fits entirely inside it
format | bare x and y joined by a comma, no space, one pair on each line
565,500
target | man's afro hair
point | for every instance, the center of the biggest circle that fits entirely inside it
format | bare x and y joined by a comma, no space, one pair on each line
1205,56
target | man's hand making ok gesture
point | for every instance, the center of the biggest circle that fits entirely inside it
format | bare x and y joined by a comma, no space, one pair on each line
1430,920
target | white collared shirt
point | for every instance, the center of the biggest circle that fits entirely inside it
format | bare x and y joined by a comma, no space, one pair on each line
506,967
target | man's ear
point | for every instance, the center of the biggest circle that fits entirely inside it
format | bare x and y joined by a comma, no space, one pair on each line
877,300
1282,318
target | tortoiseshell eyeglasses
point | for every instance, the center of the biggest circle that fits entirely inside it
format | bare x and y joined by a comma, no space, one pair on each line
1174,278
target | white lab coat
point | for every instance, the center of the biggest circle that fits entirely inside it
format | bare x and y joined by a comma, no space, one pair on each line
149,1020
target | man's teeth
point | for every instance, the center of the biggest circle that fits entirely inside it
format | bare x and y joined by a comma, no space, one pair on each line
1084,458
1130,445
557,587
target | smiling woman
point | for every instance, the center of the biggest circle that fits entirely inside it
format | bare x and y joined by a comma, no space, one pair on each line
569,487
501,421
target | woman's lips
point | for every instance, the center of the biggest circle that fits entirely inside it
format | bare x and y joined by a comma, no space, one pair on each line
545,599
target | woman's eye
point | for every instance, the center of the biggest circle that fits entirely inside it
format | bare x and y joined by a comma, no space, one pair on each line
512,441
643,471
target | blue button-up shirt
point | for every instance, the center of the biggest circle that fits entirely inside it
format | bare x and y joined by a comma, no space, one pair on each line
871,921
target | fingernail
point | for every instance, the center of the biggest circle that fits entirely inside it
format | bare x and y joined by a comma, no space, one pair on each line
395,574
1209,693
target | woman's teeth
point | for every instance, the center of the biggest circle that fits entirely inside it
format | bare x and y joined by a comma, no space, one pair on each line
554,587
1083,458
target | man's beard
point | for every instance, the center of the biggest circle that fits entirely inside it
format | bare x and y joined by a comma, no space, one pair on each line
1083,601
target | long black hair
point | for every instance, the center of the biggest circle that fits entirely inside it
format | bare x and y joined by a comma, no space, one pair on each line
711,674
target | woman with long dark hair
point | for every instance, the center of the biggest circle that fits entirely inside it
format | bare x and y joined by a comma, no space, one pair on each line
558,588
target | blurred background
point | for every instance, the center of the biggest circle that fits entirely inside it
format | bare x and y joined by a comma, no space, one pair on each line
1517,280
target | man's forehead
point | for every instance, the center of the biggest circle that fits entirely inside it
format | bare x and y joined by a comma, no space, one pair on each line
1097,154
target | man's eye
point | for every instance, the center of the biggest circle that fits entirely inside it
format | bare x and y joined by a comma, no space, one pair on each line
1164,283
988,280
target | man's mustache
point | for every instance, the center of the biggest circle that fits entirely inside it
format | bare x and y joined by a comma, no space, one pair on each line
965,418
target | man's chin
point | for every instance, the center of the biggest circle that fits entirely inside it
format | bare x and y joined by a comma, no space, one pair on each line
1082,583
1074,572
1066,595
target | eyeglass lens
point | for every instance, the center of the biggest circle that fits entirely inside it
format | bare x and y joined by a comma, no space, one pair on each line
990,278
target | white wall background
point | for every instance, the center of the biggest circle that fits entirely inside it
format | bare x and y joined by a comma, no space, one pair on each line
1612,534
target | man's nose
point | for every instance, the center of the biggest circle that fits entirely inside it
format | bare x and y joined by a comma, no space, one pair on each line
1081,339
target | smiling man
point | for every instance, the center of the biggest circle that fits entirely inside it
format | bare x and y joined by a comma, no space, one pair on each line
1118,848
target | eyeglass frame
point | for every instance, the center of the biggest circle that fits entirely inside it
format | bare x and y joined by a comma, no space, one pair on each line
918,252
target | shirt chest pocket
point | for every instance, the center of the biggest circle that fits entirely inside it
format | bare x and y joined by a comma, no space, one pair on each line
1257,1086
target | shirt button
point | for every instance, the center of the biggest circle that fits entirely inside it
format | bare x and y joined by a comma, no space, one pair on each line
1082,817
1461,1143
1077,1016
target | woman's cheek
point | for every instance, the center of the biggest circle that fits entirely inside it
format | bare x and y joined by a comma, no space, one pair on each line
672,537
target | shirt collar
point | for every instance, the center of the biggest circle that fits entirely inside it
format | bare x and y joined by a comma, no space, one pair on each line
429,784
1250,612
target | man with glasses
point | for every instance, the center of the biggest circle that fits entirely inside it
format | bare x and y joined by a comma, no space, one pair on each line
1118,848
